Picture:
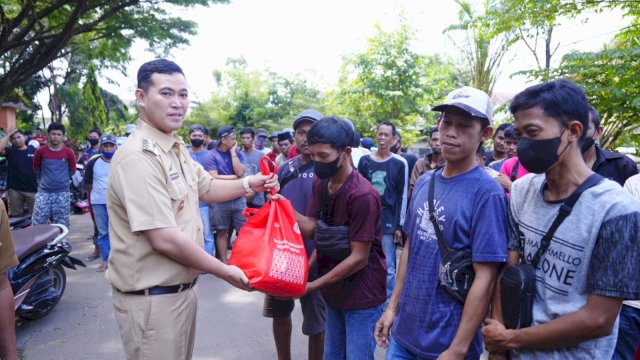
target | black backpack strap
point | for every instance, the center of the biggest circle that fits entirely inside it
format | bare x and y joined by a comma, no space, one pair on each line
444,248
565,210
294,174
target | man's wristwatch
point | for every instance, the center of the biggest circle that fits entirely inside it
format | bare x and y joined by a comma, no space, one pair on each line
247,187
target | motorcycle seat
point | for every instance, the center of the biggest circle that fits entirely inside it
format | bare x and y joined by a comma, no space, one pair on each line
32,238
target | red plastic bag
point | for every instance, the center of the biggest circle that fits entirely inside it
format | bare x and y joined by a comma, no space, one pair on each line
269,248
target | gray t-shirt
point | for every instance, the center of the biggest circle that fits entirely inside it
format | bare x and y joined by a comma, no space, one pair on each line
596,251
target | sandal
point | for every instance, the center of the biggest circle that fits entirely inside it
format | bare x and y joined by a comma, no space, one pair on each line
91,257
103,267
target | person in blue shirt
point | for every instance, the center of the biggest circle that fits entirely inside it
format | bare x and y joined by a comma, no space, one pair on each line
422,320
198,152
226,162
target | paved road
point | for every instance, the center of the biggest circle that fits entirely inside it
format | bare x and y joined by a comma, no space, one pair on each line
82,326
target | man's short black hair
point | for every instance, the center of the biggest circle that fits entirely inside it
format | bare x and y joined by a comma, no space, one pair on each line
434,129
333,131
248,130
198,127
559,99
595,117
500,127
356,139
510,132
159,66
97,131
56,126
394,132
480,150
18,131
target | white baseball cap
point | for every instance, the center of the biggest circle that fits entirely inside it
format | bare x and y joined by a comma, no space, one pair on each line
476,102
129,128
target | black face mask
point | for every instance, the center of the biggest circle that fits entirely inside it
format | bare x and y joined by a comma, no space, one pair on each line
538,156
197,142
587,143
326,170
93,142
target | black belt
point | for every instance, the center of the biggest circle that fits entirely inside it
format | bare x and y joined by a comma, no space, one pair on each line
163,290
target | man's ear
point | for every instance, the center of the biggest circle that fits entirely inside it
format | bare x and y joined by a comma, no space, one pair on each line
598,133
140,97
575,130
486,133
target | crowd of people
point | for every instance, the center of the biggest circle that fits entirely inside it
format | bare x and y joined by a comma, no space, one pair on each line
357,206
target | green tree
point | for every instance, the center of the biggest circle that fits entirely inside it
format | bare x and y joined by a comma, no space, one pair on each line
33,34
389,81
611,81
90,111
610,77
483,50
256,98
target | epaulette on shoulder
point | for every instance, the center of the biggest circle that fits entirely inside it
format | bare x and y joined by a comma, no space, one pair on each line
149,146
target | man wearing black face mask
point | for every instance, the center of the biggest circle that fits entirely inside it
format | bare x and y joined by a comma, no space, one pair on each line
593,258
93,139
343,218
198,152
93,151
616,167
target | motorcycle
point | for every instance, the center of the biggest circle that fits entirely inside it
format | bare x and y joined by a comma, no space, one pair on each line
39,281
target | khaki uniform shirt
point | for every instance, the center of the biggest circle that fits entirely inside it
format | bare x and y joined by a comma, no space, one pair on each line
153,183
8,257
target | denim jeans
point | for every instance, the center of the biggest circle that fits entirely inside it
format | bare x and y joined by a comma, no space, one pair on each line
349,333
395,351
389,249
208,233
628,333
102,222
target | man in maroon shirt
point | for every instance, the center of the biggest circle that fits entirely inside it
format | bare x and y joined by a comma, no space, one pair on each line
344,219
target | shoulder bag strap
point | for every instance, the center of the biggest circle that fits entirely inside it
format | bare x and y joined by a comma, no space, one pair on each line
514,171
294,174
324,202
444,248
565,210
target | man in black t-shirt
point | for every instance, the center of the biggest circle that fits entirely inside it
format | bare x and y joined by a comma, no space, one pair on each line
21,180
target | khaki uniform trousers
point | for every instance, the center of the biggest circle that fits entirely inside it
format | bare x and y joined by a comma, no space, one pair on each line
157,326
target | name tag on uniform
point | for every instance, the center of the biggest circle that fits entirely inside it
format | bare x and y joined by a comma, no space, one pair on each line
174,175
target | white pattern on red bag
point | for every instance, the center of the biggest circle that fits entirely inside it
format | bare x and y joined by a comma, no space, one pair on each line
287,267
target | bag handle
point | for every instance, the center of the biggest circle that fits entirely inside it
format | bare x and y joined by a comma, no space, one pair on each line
565,210
444,248
249,212
266,165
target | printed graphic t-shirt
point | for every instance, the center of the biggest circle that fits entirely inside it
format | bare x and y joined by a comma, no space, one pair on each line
21,176
471,209
596,250
391,178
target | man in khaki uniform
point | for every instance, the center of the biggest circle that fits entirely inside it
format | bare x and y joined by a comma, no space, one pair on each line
154,222
8,260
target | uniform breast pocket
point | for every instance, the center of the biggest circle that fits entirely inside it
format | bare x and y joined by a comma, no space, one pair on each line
177,188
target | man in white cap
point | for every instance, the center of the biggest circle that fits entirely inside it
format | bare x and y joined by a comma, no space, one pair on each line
423,319
129,129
